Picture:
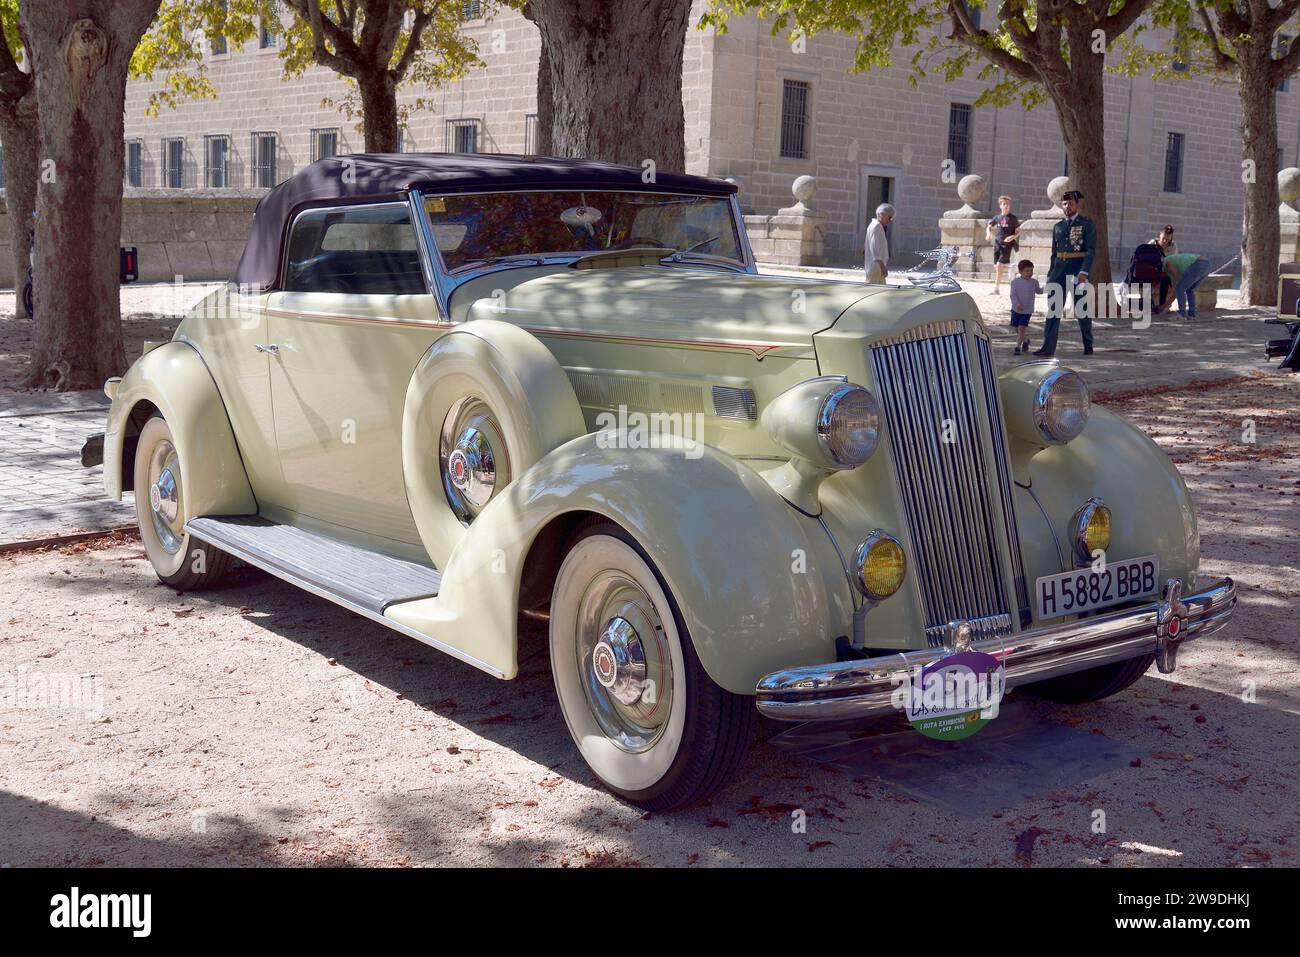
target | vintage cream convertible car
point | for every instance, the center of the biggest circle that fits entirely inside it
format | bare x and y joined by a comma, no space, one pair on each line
448,391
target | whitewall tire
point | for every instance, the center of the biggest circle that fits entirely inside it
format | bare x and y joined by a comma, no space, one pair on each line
644,714
179,560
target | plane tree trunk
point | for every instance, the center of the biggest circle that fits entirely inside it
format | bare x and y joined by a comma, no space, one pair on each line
1261,232
616,79
20,132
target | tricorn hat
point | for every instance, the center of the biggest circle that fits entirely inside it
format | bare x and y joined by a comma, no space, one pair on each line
1073,194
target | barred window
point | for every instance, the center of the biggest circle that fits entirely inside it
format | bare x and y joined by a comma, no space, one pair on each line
1282,46
794,119
959,121
218,43
268,36
462,135
530,134
264,150
216,161
134,163
1174,163
324,143
173,167
471,10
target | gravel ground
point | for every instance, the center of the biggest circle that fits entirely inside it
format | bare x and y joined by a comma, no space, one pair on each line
256,724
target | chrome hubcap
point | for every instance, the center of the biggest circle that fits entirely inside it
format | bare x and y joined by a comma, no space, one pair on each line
472,457
165,496
624,661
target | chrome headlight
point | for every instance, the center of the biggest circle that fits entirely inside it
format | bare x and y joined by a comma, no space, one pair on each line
848,425
879,565
1061,406
832,423
1090,529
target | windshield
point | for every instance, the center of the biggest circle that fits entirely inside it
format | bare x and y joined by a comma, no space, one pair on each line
472,228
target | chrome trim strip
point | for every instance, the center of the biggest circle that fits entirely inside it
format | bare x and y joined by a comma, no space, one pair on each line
1002,456
269,566
738,218
1060,555
430,258
926,330
856,689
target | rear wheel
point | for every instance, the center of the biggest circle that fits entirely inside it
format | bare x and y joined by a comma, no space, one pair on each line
646,716
1093,684
180,561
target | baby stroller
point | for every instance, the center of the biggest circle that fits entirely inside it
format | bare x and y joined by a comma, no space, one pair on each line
1288,348
1146,271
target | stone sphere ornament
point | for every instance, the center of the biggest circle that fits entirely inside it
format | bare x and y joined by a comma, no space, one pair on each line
972,189
1288,188
1057,188
1288,184
804,189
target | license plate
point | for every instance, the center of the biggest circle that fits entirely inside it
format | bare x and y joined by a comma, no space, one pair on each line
1087,590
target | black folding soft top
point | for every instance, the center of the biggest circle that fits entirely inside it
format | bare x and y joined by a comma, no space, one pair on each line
375,176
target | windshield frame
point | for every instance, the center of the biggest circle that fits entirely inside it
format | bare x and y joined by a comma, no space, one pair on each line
445,281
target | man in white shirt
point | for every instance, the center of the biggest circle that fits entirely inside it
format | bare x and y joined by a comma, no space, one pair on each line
877,251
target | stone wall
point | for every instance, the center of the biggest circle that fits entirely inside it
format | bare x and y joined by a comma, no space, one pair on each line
195,233
859,124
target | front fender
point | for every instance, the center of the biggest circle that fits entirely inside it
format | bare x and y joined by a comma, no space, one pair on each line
174,379
1151,508
759,584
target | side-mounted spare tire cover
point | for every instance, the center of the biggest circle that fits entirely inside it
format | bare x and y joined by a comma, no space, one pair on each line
486,402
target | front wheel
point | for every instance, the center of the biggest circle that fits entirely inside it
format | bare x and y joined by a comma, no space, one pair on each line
29,297
647,718
180,561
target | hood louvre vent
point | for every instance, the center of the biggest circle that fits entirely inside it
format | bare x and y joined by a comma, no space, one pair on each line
732,403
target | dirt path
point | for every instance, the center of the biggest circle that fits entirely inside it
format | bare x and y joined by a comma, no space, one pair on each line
258,724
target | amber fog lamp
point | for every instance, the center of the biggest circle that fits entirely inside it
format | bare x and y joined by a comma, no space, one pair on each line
879,565
1091,529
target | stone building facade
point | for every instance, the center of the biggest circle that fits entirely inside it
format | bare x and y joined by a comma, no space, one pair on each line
764,111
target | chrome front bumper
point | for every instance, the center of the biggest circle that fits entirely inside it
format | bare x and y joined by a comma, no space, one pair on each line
856,689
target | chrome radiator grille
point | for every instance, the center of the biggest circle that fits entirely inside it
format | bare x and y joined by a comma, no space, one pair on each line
953,497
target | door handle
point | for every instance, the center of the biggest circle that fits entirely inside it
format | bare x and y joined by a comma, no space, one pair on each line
272,349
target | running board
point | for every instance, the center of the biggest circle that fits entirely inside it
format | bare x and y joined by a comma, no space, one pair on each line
345,573
360,580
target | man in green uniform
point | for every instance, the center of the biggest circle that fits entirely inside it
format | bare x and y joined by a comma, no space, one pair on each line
1074,243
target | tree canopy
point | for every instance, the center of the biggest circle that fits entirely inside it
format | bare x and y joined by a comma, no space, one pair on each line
423,39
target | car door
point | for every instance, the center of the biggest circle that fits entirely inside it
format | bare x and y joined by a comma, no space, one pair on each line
229,328
349,327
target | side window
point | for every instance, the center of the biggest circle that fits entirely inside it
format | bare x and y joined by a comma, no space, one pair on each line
367,250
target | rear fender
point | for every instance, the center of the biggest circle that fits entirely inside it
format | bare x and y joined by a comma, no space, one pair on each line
174,380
